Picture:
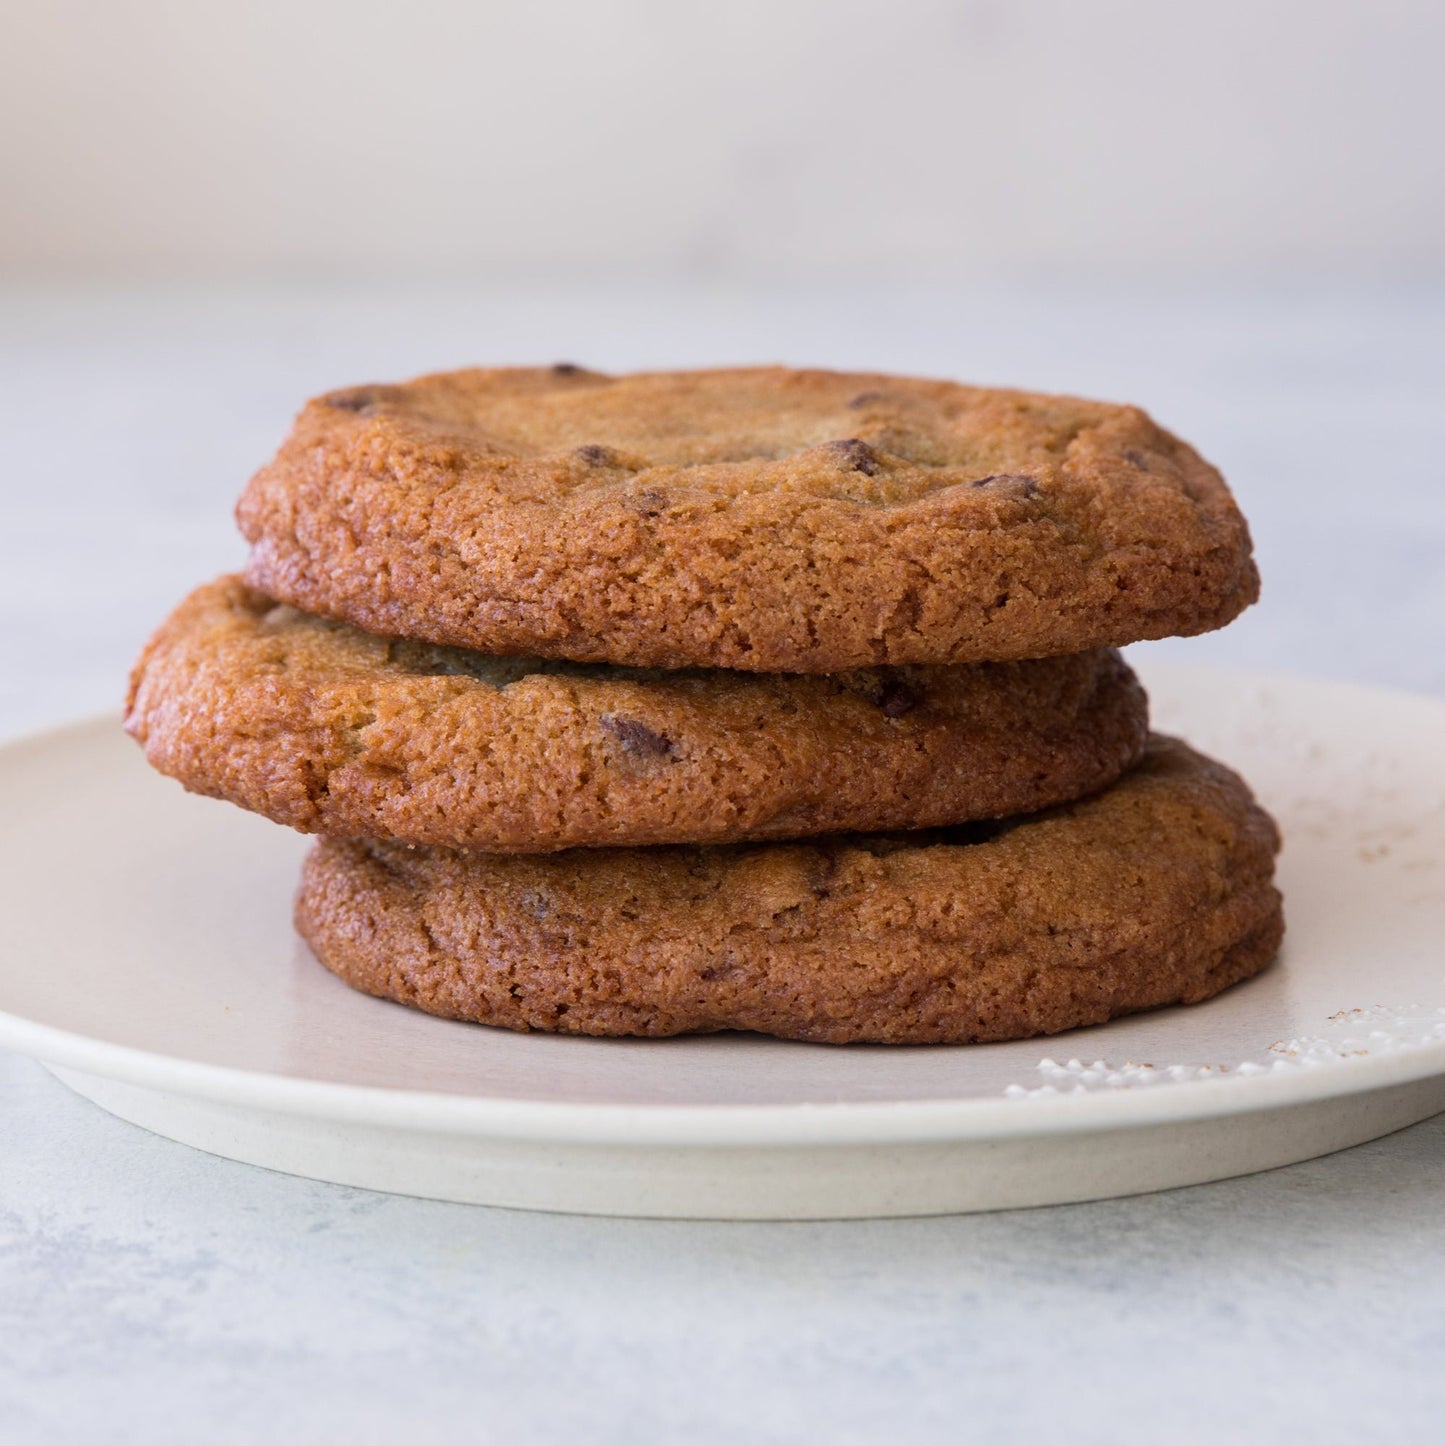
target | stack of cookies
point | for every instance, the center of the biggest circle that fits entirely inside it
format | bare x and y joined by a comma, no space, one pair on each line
755,699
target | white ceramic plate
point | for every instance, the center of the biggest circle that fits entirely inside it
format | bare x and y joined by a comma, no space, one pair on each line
146,955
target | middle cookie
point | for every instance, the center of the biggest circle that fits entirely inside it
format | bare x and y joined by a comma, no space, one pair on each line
332,730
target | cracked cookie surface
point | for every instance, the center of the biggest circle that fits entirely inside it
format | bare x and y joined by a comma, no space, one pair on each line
759,519
1156,891
330,729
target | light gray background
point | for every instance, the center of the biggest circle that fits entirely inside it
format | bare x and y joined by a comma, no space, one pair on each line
1233,214
842,138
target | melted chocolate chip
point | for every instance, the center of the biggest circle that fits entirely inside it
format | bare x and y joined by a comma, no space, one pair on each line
722,966
360,399
898,698
1137,459
637,740
864,399
1012,484
855,453
821,869
649,503
567,369
593,455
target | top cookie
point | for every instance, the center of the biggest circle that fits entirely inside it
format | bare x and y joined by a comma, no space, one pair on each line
759,519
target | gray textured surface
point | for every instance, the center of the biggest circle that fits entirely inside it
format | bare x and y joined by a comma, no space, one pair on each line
154,1294
149,1293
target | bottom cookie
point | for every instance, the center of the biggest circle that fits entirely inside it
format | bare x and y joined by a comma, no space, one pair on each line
1157,891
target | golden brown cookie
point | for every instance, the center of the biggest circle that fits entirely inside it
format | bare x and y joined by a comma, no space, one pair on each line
326,728
1156,891
760,519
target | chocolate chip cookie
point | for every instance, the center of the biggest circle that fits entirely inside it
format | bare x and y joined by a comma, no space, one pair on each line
330,729
1156,891
760,519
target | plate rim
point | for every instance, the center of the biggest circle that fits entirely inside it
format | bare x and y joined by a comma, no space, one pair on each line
782,1124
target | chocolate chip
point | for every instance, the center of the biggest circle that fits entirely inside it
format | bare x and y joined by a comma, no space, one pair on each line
864,399
898,698
1137,459
650,503
359,399
593,455
637,739
854,452
567,369
820,871
1012,484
